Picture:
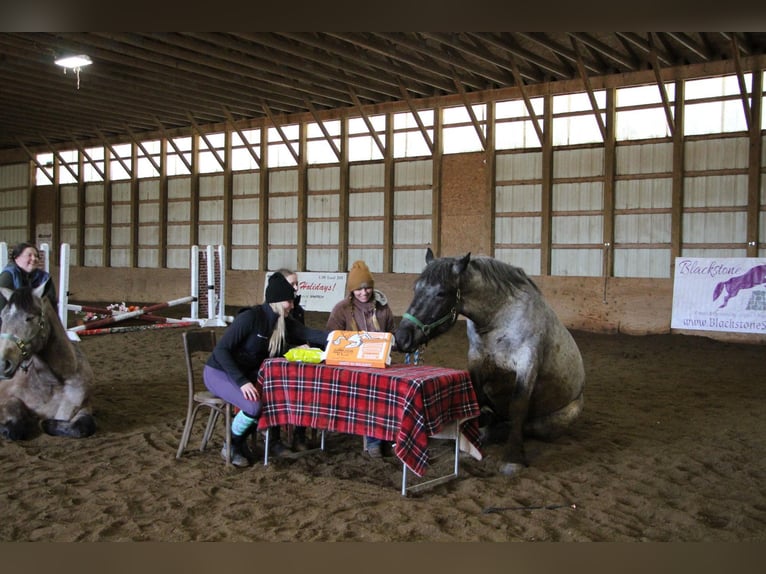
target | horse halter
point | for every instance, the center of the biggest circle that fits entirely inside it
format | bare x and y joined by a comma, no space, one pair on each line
451,316
24,344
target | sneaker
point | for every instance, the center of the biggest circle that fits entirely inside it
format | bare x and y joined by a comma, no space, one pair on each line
236,458
277,448
374,451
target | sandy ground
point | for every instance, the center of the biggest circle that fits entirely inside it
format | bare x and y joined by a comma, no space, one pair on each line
671,447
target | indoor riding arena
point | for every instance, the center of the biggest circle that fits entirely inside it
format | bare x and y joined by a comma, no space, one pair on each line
163,177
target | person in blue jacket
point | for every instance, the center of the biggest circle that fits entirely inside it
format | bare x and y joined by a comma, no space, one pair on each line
23,270
257,333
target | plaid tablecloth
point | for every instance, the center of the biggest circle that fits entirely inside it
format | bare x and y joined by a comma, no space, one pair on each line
402,403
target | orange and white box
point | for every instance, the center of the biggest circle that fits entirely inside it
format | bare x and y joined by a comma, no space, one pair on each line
359,348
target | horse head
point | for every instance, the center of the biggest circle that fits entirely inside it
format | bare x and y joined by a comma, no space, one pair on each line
23,328
436,302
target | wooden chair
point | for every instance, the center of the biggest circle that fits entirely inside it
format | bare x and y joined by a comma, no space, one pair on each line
202,342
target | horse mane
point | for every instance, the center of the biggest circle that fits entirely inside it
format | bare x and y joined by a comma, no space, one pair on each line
506,277
503,276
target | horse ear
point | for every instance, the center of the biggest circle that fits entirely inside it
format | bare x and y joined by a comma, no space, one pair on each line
5,292
38,291
461,264
429,256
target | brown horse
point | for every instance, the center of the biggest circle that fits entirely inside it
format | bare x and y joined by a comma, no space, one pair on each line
525,366
44,377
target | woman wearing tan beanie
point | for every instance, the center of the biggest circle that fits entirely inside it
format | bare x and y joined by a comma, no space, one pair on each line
365,309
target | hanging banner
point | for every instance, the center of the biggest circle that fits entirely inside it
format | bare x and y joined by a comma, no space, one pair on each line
720,294
319,291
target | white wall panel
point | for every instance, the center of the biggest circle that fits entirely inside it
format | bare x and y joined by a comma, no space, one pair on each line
322,233
93,236
726,227
283,181
211,234
321,259
148,212
408,261
721,253
244,259
643,193
179,211
576,262
211,185
581,162
120,257
365,232
94,193
93,258
721,153
518,198
323,205
149,258
413,173
577,229
17,198
179,188
120,191
282,233
324,178
120,236
283,207
715,191
644,158
583,196
642,263
368,175
14,175
409,231
68,215
94,215
518,229
519,166
149,190
178,235
246,184
372,256
148,235
366,204
642,228
278,258
413,202
245,209
211,210
245,234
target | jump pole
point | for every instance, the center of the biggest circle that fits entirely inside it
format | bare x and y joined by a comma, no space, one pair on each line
138,312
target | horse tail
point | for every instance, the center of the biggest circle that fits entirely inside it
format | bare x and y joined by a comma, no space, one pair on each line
718,290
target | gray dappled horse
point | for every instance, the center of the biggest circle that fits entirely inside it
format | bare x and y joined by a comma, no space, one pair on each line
44,377
525,366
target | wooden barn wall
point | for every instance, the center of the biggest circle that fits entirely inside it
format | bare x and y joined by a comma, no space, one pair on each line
466,223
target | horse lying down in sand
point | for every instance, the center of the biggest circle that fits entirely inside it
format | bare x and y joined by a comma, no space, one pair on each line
44,377
525,366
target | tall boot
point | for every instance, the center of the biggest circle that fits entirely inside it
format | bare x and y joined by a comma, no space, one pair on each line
238,448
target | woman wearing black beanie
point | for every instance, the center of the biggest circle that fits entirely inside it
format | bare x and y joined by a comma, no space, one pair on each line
257,333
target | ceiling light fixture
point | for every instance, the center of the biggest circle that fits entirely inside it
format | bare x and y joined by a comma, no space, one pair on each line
74,63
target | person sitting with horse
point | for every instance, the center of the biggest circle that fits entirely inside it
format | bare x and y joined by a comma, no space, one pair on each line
257,333
365,309
23,270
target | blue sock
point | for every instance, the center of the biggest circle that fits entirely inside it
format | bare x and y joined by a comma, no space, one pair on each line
241,423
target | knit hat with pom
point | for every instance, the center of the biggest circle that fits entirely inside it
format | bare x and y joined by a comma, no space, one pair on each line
359,276
278,289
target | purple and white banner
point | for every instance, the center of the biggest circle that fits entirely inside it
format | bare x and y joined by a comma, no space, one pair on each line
720,294
319,291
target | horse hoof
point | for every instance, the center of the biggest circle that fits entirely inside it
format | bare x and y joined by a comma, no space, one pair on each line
511,468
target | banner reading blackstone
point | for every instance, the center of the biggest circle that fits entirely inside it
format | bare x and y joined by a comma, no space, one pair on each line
720,294
319,291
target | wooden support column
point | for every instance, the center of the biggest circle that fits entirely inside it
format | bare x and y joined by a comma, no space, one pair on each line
546,209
